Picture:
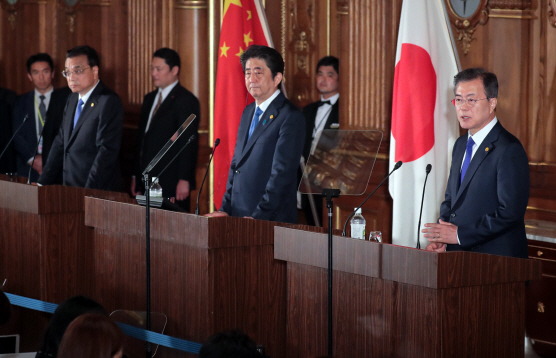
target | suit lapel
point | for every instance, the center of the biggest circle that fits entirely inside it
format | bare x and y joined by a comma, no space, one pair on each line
333,116
478,158
265,121
87,109
164,106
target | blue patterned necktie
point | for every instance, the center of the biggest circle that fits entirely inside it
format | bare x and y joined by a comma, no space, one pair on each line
467,160
77,112
255,121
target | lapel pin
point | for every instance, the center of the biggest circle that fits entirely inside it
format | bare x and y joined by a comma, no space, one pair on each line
271,116
486,149
92,104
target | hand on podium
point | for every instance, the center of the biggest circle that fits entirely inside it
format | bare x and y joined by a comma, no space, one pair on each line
441,233
216,214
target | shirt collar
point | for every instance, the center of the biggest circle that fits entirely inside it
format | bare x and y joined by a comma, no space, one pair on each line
86,96
332,99
481,134
269,100
166,91
46,95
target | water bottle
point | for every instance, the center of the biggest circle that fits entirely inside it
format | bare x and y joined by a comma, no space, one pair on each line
156,189
358,225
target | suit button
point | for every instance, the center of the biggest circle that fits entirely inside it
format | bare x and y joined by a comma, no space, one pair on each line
453,215
237,171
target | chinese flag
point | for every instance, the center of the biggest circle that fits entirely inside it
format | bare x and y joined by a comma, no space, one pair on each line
244,24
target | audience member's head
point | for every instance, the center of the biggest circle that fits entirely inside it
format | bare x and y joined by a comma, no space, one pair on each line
92,335
66,312
229,344
5,308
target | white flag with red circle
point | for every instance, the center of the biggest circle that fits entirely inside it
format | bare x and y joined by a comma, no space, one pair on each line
424,124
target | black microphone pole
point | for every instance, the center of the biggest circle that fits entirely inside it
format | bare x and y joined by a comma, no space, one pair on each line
396,167
34,155
428,169
13,136
216,143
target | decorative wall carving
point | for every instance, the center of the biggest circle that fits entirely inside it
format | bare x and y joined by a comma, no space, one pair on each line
11,8
465,27
511,4
552,12
71,7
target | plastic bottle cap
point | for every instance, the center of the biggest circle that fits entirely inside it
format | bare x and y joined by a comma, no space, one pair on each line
357,211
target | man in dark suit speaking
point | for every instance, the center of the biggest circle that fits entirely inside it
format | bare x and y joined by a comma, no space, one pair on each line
44,109
488,186
162,113
86,149
262,180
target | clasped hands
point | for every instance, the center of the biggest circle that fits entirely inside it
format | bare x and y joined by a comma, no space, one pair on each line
439,235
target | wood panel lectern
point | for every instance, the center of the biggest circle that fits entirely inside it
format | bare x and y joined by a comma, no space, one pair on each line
207,274
393,301
44,248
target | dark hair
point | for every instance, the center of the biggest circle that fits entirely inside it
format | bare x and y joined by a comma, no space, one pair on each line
329,61
271,57
91,53
66,312
92,335
40,57
490,82
229,344
169,56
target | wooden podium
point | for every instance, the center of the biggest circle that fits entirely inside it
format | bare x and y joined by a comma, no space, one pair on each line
207,274
44,247
393,301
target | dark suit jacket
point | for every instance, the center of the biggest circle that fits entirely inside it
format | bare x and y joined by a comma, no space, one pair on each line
174,110
310,112
87,155
262,181
489,206
25,142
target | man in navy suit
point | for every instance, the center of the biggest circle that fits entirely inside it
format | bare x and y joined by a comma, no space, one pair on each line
262,180
44,109
320,115
488,186
86,150
163,112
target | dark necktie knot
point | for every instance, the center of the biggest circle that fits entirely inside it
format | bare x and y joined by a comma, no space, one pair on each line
324,102
42,97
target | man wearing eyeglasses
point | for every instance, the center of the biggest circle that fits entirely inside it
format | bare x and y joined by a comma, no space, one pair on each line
488,186
44,109
86,150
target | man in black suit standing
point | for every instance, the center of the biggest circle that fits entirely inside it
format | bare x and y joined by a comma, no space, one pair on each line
163,111
86,150
262,181
323,114
44,108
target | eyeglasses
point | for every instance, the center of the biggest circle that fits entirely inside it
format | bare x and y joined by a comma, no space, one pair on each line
76,72
471,102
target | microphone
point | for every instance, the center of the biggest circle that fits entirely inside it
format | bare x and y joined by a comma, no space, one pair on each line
216,143
428,169
34,156
175,156
13,136
396,167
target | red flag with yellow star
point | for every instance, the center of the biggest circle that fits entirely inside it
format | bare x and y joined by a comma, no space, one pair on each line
244,24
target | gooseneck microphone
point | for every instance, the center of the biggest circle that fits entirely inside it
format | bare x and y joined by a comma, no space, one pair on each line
34,156
13,136
216,142
396,167
428,169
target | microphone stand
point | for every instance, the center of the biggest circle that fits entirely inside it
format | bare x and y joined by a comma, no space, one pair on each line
329,194
146,179
216,143
428,170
